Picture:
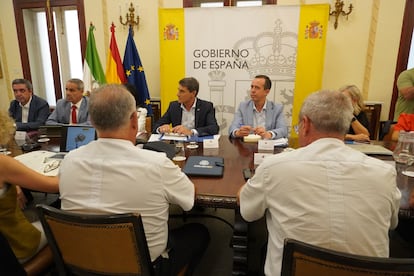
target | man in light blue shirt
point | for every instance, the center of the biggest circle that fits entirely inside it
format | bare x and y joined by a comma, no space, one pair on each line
258,115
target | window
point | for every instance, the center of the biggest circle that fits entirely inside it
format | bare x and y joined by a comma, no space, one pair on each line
211,4
215,3
51,35
411,56
249,3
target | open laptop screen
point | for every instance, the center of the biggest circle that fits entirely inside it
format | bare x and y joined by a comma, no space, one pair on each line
75,136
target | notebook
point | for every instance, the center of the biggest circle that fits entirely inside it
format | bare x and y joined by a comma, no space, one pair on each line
75,136
204,166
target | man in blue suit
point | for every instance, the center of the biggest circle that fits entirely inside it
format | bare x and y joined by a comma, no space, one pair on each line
74,108
188,115
258,115
28,110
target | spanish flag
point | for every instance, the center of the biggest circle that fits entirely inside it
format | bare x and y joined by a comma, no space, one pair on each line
114,67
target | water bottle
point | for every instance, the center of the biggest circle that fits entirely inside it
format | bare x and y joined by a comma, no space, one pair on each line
404,158
401,152
142,115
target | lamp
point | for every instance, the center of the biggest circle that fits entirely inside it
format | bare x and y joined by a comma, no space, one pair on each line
339,10
130,18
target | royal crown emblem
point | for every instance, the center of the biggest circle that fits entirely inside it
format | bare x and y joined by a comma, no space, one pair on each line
271,53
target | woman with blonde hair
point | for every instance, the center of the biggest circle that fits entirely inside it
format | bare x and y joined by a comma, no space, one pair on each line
25,238
358,130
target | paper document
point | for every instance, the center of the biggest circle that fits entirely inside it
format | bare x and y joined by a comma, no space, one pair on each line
370,149
281,142
44,162
174,137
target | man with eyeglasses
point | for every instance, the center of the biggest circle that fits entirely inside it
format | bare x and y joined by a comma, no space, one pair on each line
259,115
74,108
189,115
324,193
28,110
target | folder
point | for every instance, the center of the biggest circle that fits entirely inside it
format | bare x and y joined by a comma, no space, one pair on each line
204,166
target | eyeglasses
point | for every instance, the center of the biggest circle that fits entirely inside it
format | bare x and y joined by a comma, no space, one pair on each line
51,166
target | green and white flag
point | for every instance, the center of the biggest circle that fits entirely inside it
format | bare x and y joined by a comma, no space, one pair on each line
93,74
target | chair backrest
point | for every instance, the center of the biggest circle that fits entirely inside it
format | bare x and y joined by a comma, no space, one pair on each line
373,112
386,130
96,244
303,259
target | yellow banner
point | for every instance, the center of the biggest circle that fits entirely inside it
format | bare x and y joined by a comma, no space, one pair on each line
312,31
172,51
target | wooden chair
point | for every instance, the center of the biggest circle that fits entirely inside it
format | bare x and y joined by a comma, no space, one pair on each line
373,112
96,244
148,124
303,259
386,130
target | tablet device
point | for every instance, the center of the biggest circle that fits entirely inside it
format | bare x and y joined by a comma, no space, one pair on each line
75,136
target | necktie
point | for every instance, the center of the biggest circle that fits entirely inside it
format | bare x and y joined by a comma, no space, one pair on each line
74,117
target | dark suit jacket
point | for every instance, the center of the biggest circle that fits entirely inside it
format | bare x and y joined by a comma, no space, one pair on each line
205,117
61,114
38,113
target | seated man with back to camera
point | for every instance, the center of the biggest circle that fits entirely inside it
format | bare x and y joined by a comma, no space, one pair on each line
259,115
324,193
28,110
111,175
74,108
189,115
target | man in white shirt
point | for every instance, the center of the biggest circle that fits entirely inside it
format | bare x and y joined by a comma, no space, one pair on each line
189,115
324,193
28,110
111,175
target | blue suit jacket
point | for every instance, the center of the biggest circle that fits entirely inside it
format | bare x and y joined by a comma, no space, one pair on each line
205,117
61,114
38,113
275,120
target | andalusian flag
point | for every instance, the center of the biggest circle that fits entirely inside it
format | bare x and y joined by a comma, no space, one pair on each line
287,43
114,68
93,74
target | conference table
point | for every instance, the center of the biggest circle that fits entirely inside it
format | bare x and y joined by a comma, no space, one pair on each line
217,192
221,192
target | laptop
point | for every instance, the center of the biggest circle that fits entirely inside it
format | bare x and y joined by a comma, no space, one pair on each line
75,136
204,166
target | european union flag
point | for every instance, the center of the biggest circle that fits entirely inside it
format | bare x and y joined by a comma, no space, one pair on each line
135,74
